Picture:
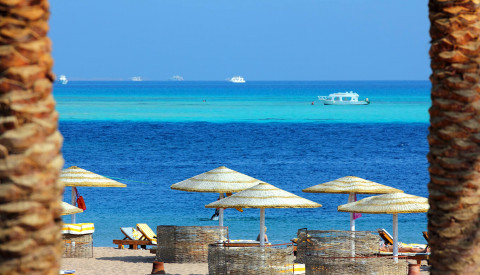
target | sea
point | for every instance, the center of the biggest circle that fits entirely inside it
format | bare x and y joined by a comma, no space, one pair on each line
150,135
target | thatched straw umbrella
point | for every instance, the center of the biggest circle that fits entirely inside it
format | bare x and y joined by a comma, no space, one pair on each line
351,185
394,203
219,180
68,209
75,177
263,196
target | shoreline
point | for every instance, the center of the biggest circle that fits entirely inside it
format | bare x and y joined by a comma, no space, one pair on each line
109,260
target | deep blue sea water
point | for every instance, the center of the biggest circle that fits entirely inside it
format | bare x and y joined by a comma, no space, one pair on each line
151,135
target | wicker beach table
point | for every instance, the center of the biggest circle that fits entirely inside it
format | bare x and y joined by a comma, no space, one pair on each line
77,246
249,258
187,244
331,252
78,240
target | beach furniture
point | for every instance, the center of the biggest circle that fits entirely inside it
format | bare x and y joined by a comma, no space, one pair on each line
219,180
418,256
388,240
273,259
386,237
75,177
130,233
352,186
263,195
132,239
78,240
68,209
330,252
187,244
394,203
147,233
425,235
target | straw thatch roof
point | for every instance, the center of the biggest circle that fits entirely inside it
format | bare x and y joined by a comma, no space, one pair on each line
68,209
75,176
351,184
393,203
218,180
263,195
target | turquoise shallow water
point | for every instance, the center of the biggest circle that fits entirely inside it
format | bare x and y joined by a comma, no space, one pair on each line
150,135
250,102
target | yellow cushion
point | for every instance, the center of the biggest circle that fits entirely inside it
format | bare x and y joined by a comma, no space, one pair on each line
413,245
136,234
147,232
78,228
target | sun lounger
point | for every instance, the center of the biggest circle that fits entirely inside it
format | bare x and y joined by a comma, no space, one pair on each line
130,233
411,256
132,239
386,237
402,247
147,233
425,235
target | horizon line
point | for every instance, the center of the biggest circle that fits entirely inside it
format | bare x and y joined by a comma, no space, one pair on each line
263,80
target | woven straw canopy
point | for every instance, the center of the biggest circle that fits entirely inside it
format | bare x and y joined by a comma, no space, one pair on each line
350,184
68,209
394,203
74,176
219,180
263,195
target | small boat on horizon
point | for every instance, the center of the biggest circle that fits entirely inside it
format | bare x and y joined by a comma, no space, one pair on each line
345,98
237,79
136,78
177,78
63,79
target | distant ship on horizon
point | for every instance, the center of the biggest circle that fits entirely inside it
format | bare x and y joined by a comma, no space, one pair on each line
176,78
237,79
63,79
136,78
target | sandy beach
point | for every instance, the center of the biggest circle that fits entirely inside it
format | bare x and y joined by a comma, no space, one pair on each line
109,260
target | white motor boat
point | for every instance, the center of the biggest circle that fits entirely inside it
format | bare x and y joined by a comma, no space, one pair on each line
136,78
63,79
176,78
237,79
346,98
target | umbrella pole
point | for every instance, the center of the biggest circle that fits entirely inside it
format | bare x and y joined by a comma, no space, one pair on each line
220,215
395,237
262,226
351,198
74,204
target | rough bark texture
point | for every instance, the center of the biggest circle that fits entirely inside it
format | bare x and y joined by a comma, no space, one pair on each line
454,216
30,159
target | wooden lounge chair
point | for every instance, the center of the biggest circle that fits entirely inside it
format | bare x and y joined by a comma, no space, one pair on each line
147,233
132,239
386,237
388,240
425,235
418,256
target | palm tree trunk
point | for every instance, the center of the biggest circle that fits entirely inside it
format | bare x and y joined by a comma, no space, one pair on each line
30,159
454,215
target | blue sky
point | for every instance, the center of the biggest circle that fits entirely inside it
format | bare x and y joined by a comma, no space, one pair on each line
257,39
